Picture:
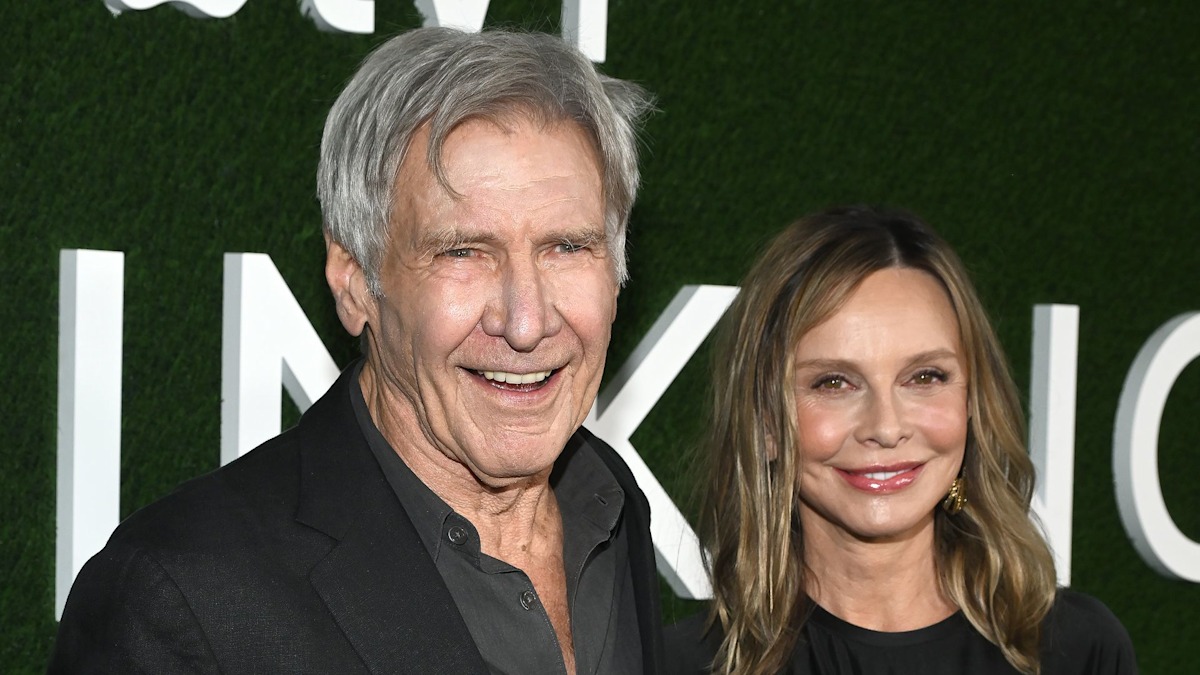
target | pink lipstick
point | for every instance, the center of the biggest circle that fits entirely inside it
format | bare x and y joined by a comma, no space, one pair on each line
882,479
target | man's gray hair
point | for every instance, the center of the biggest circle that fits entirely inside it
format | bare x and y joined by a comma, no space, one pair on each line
444,77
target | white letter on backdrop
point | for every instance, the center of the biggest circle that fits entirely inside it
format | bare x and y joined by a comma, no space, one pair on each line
341,16
631,395
266,342
465,15
201,9
1052,425
1135,449
90,311
585,25
584,22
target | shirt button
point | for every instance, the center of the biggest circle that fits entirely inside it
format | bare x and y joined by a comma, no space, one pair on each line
456,534
528,599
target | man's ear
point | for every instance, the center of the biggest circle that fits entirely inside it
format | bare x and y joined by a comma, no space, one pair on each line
348,284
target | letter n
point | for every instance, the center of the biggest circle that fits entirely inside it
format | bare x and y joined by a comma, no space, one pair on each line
267,344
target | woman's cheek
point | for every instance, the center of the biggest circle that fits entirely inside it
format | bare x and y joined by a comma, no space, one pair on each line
822,430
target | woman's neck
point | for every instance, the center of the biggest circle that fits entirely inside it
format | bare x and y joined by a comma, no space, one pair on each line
888,586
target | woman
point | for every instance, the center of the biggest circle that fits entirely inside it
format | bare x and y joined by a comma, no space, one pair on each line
867,509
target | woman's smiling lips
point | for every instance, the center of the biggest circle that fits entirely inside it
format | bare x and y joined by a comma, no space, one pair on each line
882,479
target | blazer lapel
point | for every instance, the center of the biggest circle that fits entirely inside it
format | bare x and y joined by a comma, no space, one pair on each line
378,581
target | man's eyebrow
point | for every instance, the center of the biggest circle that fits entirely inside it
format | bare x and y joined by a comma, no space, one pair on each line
582,236
444,239
447,238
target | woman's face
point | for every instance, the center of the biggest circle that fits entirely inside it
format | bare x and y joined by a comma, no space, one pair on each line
881,403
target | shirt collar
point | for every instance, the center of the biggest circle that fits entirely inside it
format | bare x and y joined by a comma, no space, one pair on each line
587,492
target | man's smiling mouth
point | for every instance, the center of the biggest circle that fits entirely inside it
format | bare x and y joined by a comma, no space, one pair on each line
520,381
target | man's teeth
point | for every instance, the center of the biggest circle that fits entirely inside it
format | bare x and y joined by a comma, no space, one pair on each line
515,378
882,475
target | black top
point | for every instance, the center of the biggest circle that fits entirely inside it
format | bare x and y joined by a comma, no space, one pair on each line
1080,637
501,608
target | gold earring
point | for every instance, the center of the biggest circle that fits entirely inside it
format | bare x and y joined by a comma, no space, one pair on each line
957,498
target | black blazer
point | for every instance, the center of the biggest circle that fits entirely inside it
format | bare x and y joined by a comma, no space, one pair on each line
295,558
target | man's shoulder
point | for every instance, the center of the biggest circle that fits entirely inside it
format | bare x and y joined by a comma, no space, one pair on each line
206,510
258,490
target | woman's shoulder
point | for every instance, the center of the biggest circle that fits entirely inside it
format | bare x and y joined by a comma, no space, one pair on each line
1082,616
690,647
1082,635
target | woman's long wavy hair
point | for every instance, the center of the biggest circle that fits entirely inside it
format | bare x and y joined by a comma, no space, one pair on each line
991,558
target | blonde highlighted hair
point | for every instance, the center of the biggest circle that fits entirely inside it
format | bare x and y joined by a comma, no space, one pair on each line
991,558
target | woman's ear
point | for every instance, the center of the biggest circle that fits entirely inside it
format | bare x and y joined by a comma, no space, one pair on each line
348,283
772,448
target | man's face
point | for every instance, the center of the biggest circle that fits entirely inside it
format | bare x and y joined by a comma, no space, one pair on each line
488,342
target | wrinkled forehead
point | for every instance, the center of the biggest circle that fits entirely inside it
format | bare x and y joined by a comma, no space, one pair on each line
431,136
431,162
502,176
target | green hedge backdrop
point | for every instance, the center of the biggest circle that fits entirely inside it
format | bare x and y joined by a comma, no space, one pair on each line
1054,144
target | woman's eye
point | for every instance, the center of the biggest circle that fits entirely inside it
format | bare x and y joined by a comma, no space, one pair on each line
830,382
929,377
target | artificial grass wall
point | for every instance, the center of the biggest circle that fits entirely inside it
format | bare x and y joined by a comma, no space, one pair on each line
1054,144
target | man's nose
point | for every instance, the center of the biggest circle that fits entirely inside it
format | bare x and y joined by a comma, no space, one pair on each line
522,311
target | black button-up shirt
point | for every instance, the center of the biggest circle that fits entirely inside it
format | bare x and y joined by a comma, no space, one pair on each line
511,629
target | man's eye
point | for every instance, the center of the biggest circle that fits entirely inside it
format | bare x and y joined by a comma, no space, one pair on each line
458,253
568,247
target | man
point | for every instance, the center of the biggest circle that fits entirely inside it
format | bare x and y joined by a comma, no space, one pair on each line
439,510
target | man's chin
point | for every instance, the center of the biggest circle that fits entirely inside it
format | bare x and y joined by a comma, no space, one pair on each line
503,466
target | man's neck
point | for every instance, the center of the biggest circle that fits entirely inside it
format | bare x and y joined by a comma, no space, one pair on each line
512,517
